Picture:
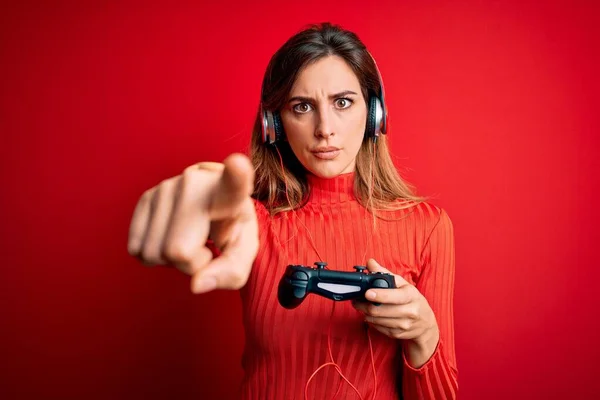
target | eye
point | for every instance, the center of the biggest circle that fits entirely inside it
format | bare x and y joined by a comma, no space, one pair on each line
302,108
343,103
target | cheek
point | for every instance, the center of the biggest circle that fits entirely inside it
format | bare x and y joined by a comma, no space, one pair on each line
298,131
299,139
356,131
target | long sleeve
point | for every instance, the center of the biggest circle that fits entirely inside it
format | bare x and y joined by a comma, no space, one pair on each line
437,378
285,349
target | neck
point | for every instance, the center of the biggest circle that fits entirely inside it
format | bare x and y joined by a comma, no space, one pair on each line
338,189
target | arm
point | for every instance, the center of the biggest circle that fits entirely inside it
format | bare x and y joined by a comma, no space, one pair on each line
429,368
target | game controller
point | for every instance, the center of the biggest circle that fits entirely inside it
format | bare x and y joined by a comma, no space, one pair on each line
300,280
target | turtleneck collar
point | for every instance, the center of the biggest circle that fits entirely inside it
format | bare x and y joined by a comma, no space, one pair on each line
338,189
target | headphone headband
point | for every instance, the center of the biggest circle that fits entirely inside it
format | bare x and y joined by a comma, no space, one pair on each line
377,116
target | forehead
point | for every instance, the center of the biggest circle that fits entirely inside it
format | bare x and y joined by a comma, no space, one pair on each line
328,75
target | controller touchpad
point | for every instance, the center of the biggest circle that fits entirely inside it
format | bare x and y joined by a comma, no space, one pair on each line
337,288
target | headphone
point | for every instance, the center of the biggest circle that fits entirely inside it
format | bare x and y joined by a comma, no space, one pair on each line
272,127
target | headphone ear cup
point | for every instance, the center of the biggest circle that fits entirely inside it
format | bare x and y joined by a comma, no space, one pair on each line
265,115
272,127
278,127
374,117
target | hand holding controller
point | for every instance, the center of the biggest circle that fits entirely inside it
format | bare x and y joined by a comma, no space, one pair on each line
300,280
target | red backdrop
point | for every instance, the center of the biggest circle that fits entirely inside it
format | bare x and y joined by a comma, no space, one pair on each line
494,111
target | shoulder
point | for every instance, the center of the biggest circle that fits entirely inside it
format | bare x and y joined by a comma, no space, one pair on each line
261,211
435,219
432,212
429,217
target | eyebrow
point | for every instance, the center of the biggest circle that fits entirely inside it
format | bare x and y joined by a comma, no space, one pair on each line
310,100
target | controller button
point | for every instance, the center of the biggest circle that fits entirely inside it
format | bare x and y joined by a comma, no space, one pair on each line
321,264
380,283
301,276
359,268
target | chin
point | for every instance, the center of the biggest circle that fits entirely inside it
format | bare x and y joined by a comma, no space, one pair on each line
327,169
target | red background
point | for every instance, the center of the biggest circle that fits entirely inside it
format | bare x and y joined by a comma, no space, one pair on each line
494,111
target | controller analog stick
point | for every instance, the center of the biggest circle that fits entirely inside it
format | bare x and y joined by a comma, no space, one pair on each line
321,264
380,283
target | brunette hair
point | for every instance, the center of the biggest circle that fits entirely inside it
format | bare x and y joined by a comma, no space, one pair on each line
377,185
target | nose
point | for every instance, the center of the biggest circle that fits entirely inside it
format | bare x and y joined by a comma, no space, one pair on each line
324,126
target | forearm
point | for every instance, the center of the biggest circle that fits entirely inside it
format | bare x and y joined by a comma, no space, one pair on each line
436,379
430,371
418,351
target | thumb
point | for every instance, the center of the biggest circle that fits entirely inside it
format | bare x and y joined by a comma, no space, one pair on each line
374,266
235,185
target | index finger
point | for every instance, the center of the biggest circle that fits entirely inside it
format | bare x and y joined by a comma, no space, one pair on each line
234,187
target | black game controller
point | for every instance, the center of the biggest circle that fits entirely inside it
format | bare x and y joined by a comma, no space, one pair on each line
300,280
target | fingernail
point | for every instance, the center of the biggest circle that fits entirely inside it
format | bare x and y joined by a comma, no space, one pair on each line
206,285
370,295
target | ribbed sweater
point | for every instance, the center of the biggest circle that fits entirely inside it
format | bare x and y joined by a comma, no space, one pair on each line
284,347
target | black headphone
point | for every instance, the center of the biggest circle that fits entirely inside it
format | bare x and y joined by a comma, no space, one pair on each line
272,127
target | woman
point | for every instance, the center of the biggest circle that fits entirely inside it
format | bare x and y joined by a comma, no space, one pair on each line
320,187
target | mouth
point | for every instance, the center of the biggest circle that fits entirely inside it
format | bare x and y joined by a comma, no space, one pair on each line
326,153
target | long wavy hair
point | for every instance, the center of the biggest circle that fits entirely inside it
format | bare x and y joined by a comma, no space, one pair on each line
281,184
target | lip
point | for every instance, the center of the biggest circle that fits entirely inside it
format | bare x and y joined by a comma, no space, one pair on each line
326,153
324,149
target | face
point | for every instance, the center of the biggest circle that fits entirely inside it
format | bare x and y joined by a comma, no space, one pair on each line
324,118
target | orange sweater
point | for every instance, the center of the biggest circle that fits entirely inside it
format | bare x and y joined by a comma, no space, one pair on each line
284,347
